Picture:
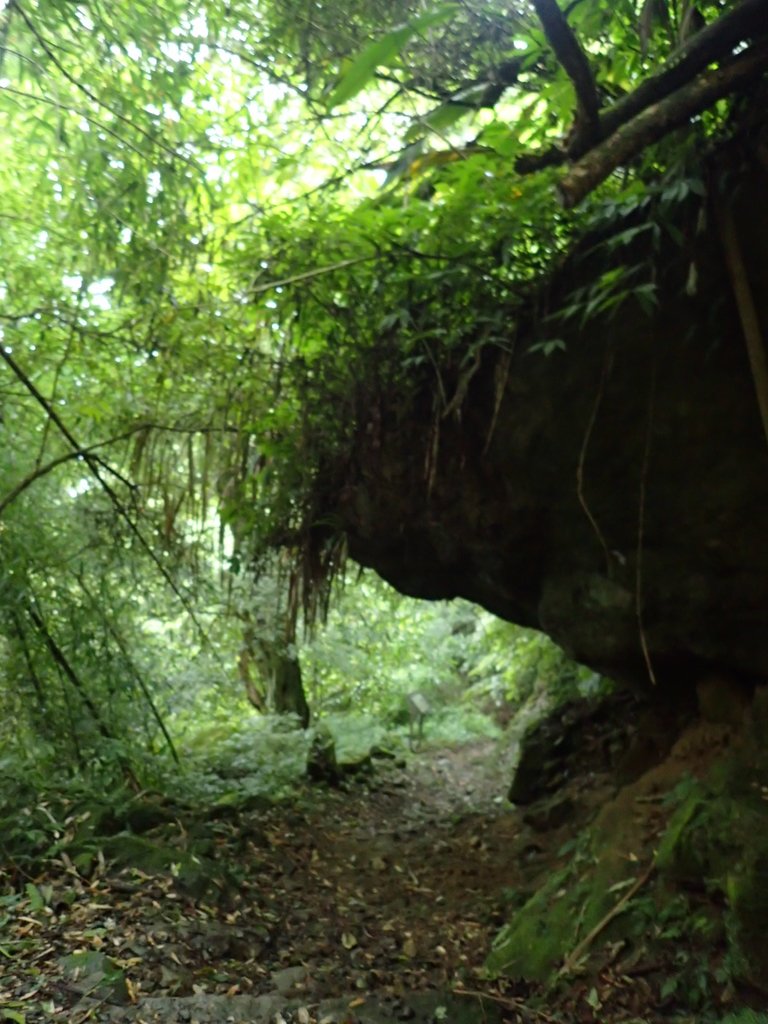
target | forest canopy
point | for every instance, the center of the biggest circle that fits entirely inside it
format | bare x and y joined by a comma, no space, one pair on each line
221,222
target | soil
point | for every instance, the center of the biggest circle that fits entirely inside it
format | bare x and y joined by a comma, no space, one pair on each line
374,901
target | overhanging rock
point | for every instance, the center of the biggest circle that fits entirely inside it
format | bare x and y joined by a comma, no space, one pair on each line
614,494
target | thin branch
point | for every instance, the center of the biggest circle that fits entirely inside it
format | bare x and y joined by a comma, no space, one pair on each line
572,959
63,662
260,65
94,463
154,140
4,29
513,1003
495,83
641,502
134,671
658,120
70,109
575,64
28,659
64,666
307,275
81,453
78,453
54,416
604,375
53,390
42,471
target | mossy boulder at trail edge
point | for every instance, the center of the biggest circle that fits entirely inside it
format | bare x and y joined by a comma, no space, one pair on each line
193,871
688,841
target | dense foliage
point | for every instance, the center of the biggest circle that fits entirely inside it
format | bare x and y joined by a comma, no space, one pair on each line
223,227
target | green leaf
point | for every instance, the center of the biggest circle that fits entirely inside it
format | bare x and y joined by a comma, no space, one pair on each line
548,347
647,298
438,120
36,901
669,987
14,1015
381,53
447,114
500,138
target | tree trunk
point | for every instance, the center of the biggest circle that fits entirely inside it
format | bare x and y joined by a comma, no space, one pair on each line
286,690
280,670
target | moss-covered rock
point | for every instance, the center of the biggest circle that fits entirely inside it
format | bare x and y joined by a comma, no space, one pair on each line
706,836
532,943
717,840
95,976
543,932
747,918
707,840
193,871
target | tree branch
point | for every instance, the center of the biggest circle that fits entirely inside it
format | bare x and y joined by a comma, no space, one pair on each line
63,662
712,43
36,474
82,453
717,40
308,274
98,606
92,460
575,64
658,120
529,163
505,75
4,29
572,959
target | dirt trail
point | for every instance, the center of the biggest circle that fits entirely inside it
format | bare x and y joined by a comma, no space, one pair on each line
390,887
372,903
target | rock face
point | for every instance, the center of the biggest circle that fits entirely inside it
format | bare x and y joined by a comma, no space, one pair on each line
689,832
614,494
621,734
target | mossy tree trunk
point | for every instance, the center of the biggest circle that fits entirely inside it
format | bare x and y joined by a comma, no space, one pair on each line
282,688
285,688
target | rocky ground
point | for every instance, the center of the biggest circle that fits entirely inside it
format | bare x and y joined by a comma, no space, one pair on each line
370,902
383,894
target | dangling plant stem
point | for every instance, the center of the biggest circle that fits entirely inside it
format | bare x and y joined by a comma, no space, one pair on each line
745,303
607,363
641,530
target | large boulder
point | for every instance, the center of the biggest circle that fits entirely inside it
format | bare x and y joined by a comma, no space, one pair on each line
614,493
672,869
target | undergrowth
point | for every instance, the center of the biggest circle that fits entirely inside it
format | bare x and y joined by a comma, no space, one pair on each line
258,760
